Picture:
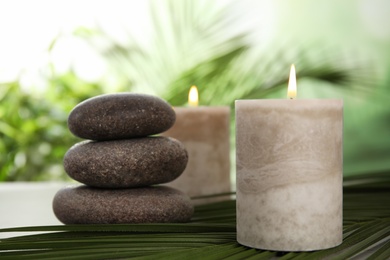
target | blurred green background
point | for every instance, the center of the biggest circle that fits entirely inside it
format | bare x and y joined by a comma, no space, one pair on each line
54,54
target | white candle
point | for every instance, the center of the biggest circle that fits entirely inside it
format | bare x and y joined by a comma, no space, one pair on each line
289,174
204,131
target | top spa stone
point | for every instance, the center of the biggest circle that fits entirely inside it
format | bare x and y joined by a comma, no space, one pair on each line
120,116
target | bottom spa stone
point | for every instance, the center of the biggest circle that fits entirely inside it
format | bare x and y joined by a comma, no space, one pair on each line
87,205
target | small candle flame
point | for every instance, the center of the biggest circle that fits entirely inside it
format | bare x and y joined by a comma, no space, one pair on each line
193,97
292,84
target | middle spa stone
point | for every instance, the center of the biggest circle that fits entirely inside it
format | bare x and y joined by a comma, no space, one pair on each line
126,163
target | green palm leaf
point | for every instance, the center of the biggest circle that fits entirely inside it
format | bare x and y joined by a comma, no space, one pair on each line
210,234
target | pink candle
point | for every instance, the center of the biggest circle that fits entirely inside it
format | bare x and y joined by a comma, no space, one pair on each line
204,131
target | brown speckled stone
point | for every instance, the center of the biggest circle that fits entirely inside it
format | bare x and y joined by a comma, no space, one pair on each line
87,205
126,163
120,116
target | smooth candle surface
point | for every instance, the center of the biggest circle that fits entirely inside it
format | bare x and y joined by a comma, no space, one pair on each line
289,174
204,131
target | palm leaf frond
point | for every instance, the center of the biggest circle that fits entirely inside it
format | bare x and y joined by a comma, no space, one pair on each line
211,234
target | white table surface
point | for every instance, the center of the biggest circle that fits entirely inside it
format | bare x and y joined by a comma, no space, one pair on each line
27,204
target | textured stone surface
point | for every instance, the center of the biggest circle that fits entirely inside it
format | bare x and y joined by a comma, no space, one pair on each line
87,205
126,163
289,174
120,116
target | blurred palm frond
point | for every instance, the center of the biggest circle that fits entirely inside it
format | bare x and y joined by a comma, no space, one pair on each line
196,44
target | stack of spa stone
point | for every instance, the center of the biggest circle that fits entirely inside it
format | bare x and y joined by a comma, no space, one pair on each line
121,163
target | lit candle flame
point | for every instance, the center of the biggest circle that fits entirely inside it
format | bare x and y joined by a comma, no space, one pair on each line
193,97
292,84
